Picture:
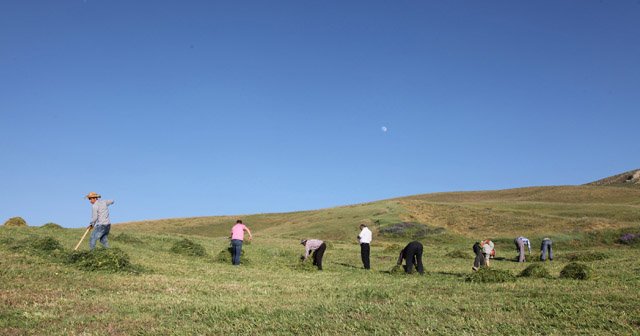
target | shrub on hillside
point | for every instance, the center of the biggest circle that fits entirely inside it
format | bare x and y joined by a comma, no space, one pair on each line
16,222
586,256
51,226
189,248
536,270
458,254
410,230
630,239
490,275
101,259
577,271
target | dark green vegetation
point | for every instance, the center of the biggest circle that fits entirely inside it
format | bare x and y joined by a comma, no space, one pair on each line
151,290
490,275
189,248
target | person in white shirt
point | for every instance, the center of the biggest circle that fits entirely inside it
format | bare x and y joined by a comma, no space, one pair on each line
487,247
364,238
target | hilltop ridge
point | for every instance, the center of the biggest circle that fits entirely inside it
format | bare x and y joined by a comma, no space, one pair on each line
629,178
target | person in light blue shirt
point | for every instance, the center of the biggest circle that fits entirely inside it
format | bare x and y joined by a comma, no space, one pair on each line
100,221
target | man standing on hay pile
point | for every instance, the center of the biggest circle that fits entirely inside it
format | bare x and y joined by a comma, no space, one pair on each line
365,237
318,247
100,221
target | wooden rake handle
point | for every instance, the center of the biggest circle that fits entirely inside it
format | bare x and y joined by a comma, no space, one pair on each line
81,239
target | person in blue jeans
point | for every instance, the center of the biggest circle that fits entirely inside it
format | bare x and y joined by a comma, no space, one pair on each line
546,249
100,222
237,236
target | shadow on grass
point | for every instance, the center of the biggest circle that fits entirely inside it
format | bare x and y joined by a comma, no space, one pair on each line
347,265
455,274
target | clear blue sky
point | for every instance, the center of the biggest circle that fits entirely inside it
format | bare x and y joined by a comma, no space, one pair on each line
198,108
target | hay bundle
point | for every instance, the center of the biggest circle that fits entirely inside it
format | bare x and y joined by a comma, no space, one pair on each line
189,248
224,257
16,222
576,271
53,226
535,271
397,270
111,260
490,275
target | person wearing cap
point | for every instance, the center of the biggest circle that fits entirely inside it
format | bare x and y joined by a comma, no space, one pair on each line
412,254
316,246
100,222
364,238
546,249
237,237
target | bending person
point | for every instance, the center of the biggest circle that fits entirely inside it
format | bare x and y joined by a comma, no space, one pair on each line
412,254
316,246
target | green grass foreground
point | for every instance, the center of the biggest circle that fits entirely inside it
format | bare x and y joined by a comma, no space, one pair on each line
154,290
187,295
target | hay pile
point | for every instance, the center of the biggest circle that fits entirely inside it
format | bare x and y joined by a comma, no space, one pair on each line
535,271
45,246
306,266
224,257
397,270
576,271
16,222
490,275
53,226
189,248
101,259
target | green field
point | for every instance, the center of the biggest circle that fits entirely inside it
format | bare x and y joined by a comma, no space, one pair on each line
167,293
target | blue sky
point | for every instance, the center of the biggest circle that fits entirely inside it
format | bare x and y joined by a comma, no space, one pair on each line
198,108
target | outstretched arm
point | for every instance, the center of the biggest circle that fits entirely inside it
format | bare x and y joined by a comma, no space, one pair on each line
249,232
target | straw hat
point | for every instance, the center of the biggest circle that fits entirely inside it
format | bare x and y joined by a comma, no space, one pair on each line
93,194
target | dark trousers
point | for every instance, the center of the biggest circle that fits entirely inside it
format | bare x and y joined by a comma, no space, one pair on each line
365,251
479,261
236,251
413,257
546,249
318,254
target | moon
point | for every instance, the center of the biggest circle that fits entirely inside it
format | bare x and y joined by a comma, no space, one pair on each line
384,129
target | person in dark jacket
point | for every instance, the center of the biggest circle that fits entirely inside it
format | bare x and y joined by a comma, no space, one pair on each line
412,254
479,261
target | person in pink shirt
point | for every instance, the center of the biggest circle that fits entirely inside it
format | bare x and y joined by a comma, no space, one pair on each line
237,236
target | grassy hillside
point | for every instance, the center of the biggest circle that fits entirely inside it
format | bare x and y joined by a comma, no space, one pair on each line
159,291
535,212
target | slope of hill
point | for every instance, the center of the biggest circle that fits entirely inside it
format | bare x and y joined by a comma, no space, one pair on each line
534,211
